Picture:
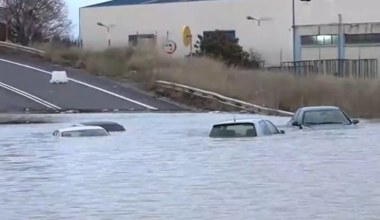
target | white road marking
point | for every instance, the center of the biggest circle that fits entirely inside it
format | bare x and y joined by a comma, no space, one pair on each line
84,84
29,96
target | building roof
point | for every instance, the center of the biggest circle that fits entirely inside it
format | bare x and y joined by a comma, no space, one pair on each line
136,2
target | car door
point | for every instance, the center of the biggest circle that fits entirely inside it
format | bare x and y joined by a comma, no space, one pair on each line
264,127
272,127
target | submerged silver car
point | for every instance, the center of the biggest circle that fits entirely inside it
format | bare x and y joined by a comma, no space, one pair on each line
81,131
315,116
244,128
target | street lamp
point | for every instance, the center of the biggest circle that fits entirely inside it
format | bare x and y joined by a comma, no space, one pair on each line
294,32
258,19
108,32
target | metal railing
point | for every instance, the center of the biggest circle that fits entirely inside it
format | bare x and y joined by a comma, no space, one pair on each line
21,48
361,68
222,99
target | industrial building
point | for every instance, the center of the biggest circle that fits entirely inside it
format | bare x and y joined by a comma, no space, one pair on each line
317,28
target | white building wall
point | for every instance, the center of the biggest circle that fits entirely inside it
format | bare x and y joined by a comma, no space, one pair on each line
273,39
319,53
269,39
357,51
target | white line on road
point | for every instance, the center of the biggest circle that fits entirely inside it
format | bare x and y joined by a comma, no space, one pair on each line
29,96
84,84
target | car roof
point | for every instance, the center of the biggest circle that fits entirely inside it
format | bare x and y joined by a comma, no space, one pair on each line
314,108
237,121
81,128
99,123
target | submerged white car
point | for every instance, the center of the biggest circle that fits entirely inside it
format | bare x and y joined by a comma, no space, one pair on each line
81,131
244,128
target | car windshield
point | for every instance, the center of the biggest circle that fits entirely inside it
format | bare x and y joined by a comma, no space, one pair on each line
85,133
318,117
233,130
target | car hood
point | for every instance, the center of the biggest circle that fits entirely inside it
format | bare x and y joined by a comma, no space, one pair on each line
327,126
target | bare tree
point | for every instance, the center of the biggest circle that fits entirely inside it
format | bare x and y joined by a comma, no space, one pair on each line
35,19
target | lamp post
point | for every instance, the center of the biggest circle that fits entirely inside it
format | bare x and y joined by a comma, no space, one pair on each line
108,32
258,19
294,32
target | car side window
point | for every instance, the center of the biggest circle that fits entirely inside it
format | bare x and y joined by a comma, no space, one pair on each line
300,116
272,128
264,126
295,116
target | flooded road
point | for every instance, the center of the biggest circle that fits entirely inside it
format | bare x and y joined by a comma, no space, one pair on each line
165,167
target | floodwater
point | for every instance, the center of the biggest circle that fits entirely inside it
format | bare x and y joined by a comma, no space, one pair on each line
165,167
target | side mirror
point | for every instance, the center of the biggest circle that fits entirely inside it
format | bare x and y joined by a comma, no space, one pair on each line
355,121
294,123
282,132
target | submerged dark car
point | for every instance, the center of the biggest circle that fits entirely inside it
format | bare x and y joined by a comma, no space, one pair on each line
325,116
109,126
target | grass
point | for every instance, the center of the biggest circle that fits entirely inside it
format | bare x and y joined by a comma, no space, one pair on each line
272,89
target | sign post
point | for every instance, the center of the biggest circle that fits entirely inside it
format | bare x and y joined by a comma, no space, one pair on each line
187,38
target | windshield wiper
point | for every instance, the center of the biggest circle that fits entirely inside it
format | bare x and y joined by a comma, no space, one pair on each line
325,123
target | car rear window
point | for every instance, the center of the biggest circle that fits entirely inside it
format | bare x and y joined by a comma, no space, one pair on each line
233,130
107,127
113,127
85,133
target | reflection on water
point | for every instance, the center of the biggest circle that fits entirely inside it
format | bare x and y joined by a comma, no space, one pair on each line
165,167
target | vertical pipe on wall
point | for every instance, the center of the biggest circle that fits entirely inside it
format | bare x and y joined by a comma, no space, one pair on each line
294,35
340,46
80,31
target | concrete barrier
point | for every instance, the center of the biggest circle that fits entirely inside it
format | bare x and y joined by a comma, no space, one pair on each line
59,77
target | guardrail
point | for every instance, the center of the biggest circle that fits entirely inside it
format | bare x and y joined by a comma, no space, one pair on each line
22,48
222,99
179,87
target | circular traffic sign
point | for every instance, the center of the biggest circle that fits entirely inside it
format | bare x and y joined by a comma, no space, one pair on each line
186,36
170,46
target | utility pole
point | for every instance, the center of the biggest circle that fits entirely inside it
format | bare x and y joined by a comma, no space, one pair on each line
294,34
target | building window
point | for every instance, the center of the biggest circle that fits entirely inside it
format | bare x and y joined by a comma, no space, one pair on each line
309,40
135,38
230,33
362,38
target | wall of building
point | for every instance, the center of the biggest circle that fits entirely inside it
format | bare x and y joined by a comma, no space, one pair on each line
272,39
359,41
269,39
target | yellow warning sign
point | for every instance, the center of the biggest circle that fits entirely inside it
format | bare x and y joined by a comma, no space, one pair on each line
186,35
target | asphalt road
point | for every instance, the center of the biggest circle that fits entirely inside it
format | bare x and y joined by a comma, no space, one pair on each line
68,96
13,102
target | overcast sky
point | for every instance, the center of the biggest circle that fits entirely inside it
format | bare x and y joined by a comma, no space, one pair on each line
74,6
